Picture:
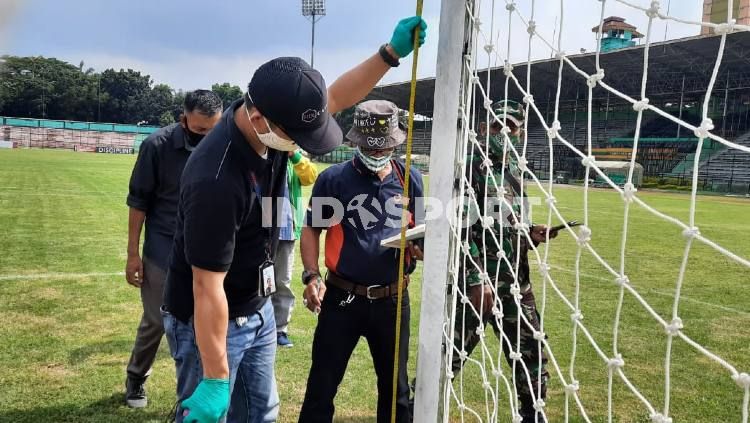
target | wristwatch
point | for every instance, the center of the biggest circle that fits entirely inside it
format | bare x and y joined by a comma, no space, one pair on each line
308,275
386,56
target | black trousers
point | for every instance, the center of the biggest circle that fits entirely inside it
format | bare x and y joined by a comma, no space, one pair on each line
340,325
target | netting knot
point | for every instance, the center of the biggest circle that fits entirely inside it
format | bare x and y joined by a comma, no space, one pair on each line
577,316
465,248
501,192
484,277
554,130
507,68
588,161
505,131
653,11
622,280
725,28
616,363
487,163
517,418
486,385
488,48
528,99
462,355
473,136
496,373
702,131
521,227
480,332
742,380
531,29
594,79
515,290
487,104
488,222
539,405
539,335
551,200
477,22
572,387
660,418
628,192
510,7
470,192
497,313
465,300
515,356
584,235
523,164
462,406
641,105
674,327
691,233
560,54
544,270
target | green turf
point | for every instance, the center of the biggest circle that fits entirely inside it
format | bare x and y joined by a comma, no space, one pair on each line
66,336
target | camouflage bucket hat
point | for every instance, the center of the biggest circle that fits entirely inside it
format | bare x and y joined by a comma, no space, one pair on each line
376,125
511,110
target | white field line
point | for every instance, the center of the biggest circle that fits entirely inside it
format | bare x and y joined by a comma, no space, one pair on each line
658,292
37,276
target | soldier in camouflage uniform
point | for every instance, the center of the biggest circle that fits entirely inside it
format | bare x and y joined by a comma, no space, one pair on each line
499,273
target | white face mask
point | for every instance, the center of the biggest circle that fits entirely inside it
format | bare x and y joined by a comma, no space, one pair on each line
375,164
270,139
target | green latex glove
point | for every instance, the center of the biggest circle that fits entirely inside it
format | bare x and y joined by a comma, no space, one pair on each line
209,402
402,40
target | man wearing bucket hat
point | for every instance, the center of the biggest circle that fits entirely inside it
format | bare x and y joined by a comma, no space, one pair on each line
501,261
217,317
358,297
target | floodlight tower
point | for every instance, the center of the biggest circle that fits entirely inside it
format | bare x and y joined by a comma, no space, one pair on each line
313,10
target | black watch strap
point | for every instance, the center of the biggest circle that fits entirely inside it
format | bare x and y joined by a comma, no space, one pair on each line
308,275
387,58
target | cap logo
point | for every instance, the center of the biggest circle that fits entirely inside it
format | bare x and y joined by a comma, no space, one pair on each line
310,115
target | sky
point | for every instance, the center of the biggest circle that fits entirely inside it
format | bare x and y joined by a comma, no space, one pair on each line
191,44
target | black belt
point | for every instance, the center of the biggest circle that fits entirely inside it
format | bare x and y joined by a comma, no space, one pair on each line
372,292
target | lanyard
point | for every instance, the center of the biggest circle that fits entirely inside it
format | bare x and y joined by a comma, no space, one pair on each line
267,231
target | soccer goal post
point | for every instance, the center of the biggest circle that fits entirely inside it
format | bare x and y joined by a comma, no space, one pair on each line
485,352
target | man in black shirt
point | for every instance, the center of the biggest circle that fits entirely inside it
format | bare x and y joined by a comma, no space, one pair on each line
219,324
154,190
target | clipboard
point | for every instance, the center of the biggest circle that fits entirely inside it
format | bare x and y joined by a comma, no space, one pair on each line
394,241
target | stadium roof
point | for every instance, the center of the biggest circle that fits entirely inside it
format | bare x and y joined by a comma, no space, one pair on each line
690,58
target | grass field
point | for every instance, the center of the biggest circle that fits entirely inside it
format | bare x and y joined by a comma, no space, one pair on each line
68,317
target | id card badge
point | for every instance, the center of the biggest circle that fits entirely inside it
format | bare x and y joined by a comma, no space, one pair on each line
267,277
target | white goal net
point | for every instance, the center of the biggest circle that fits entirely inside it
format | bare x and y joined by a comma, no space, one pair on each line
504,361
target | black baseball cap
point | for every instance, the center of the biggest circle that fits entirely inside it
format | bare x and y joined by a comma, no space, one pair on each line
293,95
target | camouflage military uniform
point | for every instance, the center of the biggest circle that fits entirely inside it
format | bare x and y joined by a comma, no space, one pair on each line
466,320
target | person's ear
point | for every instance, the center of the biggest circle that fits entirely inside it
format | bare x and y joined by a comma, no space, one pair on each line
256,120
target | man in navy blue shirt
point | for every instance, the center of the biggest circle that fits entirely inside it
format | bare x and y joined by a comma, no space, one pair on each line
358,298
219,322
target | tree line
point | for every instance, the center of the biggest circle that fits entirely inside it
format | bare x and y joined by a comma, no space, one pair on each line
48,88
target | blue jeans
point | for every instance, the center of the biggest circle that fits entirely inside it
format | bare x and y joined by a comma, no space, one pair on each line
251,352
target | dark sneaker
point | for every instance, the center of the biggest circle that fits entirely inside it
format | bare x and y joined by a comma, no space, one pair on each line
282,340
135,393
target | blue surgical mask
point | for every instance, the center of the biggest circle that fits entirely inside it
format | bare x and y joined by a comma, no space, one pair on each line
375,164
